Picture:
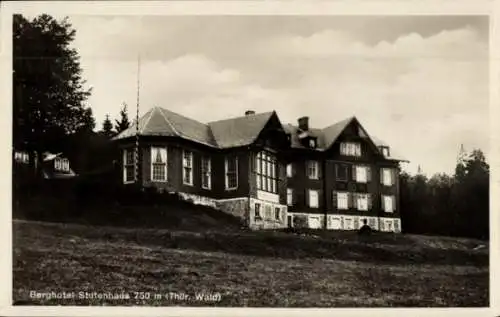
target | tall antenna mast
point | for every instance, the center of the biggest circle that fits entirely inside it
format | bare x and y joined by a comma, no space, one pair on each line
137,121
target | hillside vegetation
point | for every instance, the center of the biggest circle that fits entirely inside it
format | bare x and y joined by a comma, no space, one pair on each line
334,269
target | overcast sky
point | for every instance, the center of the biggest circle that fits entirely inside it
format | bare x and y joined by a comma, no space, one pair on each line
418,83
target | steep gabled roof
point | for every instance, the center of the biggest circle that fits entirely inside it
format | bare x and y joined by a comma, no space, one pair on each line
162,122
332,132
227,133
239,131
234,132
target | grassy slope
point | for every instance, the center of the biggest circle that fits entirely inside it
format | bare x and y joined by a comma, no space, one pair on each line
333,269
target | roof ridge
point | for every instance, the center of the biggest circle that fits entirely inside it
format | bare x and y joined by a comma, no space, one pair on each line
241,117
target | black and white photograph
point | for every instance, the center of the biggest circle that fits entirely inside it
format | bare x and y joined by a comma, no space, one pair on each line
250,161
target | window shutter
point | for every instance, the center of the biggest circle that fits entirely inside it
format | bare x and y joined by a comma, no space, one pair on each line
369,201
381,170
320,198
349,200
355,199
393,173
307,197
382,202
334,199
368,174
354,172
393,203
319,166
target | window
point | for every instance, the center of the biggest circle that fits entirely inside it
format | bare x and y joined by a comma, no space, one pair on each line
128,166
266,170
342,201
57,164
289,170
289,196
348,224
312,143
389,225
66,165
362,201
313,198
312,169
269,210
341,172
386,177
350,149
231,168
277,213
361,174
158,164
397,226
257,211
206,172
385,151
388,203
187,167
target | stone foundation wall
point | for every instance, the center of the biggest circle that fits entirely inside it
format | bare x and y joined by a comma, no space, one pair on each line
237,207
268,218
199,200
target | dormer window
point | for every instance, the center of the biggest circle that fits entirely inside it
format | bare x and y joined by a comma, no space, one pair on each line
385,151
312,143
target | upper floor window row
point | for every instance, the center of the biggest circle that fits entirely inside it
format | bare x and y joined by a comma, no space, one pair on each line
350,149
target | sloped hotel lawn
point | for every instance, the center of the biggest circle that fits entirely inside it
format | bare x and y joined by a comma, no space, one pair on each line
217,267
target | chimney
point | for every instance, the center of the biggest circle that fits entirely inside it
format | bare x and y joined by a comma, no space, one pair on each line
303,123
249,112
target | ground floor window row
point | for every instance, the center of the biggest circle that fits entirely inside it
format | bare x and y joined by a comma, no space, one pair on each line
343,222
345,200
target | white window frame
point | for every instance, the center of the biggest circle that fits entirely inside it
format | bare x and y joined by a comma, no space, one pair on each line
226,172
359,197
187,164
289,196
345,198
312,169
66,165
390,198
309,193
163,153
289,170
206,171
387,172
266,172
127,165
360,168
57,164
257,211
312,143
277,213
350,148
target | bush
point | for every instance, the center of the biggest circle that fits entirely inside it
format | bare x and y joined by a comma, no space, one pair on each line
300,222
